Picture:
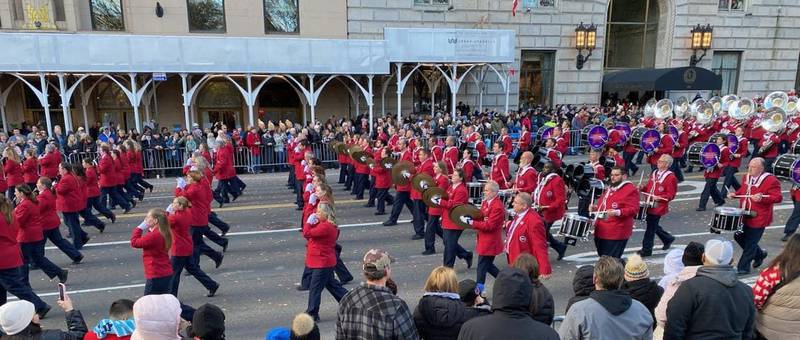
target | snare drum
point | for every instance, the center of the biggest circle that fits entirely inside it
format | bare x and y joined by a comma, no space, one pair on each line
475,190
704,155
645,139
574,227
642,213
727,219
787,167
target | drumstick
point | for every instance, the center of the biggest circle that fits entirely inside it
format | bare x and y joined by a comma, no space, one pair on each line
748,196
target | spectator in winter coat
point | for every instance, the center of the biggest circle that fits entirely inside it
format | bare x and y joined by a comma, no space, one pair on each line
639,285
714,304
542,307
777,294
303,327
118,325
510,318
692,259
673,264
440,313
157,317
582,285
609,312
472,296
19,320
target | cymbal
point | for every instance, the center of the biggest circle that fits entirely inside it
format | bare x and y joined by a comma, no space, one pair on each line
431,193
402,172
371,162
360,157
422,181
353,148
388,162
341,148
465,210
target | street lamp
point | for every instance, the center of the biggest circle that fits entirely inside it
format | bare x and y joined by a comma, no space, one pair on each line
701,40
585,39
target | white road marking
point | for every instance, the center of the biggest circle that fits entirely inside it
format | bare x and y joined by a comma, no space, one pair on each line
84,291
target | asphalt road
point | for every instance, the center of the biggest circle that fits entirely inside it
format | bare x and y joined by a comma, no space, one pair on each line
265,257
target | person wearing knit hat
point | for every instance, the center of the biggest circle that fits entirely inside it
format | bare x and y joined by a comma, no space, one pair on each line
639,285
157,317
18,319
692,259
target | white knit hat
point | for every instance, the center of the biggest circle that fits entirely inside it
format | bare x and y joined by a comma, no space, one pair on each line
15,316
718,252
156,317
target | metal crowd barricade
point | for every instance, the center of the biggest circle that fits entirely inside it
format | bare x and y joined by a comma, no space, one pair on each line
78,157
164,159
575,141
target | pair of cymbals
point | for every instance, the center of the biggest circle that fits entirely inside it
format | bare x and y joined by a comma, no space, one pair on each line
338,147
362,157
353,149
431,193
388,162
402,172
421,182
465,210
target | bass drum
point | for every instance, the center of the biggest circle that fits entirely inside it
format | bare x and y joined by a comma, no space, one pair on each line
645,139
796,146
543,134
625,131
595,136
787,167
704,155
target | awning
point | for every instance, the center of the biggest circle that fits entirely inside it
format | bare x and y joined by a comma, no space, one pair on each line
661,79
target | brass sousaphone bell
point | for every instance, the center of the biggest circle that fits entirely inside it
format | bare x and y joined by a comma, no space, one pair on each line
353,149
465,210
774,119
432,193
681,107
421,182
741,109
388,162
663,109
402,172
776,99
726,102
650,107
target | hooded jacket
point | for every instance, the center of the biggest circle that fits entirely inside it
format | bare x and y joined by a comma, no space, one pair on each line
510,318
712,305
157,317
780,317
582,285
607,314
669,291
646,291
542,307
440,315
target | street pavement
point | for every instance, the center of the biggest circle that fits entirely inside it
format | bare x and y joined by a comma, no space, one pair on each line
266,254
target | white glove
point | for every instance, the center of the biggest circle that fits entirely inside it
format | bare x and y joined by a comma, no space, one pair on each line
181,182
309,187
303,162
312,199
170,209
142,226
189,161
466,219
312,219
406,174
436,200
388,166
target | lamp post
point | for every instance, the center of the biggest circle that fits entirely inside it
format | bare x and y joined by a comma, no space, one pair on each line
585,39
701,40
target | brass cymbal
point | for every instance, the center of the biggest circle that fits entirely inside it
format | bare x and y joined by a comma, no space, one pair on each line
341,148
402,172
388,162
465,210
431,193
354,148
422,181
360,157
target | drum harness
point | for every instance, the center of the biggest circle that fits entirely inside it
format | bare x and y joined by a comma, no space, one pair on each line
537,194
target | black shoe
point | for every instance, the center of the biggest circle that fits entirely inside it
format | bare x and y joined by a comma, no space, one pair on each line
101,227
113,218
561,251
225,246
760,260
133,203
786,237
86,240
220,204
469,259
299,208
301,288
141,198
417,237
389,223
127,210
368,205
344,282
360,198
644,254
225,232
42,313
668,244
77,260
219,263
151,189
719,204
379,213
742,272
700,209
429,252
62,276
212,291
235,197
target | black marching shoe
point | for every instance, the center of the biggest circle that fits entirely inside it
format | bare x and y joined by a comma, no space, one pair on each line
113,218
77,260
42,313
760,260
301,288
786,237
561,252
644,254
212,291
417,237
667,245
379,213
219,263
62,276
225,245
469,259
429,252
389,223
700,209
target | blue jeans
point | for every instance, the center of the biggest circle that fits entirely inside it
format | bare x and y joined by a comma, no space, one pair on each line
322,278
748,240
12,281
181,262
54,235
158,285
653,229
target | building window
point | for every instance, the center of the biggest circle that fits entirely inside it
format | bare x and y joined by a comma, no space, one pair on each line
731,5
534,4
632,34
206,15
726,65
536,79
107,15
432,2
220,101
282,16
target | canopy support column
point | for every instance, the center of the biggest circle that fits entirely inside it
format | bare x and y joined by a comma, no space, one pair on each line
66,97
3,100
186,100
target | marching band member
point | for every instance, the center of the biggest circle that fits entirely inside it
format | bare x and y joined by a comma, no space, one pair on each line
155,247
480,148
450,153
734,162
629,152
362,171
768,149
594,161
434,225
712,176
507,145
550,199
403,197
467,165
383,181
489,231
794,219
457,195
344,164
617,157
180,216
665,147
527,177
13,171
48,163
678,152
500,170
420,213
584,198
436,150
321,234
225,173
525,234
619,203
198,192
759,193
107,180
30,235
614,135
663,186
30,168
524,140
376,154
51,222
553,153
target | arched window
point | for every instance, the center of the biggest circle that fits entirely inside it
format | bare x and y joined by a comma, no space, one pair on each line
220,101
112,107
631,34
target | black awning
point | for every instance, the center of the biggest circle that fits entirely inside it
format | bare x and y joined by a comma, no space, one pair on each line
661,79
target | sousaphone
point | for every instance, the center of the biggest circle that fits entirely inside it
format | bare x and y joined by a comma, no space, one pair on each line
791,106
727,101
663,109
465,210
402,173
716,104
432,193
705,113
695,106
742,109
420,182
681,107
650,107
776,99
774,120
353,149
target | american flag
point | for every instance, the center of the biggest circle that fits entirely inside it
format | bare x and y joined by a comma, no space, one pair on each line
514,8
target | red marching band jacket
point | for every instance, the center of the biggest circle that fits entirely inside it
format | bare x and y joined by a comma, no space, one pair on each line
489,229
457,195
499,172
469,168
526,180
155,257
663,184
525,234
450,158
28,221
49,164
551,193
321,247
405,156
441,182
180,225
625,198
767,185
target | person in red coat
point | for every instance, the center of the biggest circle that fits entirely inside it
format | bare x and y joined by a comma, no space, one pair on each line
383,180
403,196
434,225
712,176
525,234
51,222
49,162
69,201
129,184
758,195
420,213
137,167
500,172
457,195
93,191
768,149
30,236
321,233
120,168
11,279
467,165
735,161
505,139
617,207
450,153
155,246
527,177
30,168
86,212
550,199
13,171
198,192
108,184
489,231
661,188
180,219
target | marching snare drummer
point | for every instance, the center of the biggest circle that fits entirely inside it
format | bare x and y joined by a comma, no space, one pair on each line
525,234
660,189
550,198
488,231
553,153
527,177
759,192
615,210
712,176
499,171
584,199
